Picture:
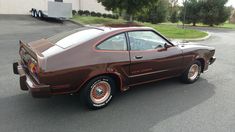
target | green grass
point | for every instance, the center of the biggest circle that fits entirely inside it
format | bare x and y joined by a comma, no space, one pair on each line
88,20
167,29
174,32
224,25
227,25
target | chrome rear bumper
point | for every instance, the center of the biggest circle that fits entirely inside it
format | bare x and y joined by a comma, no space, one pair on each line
26,83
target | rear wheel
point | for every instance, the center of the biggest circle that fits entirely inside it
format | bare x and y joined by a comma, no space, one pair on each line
192,73
98,92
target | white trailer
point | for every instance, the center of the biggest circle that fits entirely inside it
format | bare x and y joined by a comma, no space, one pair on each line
57,10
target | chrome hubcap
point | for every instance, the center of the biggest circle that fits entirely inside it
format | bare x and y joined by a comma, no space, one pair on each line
100,92
193,72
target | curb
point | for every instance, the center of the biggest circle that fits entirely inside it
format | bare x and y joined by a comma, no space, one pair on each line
194,40
76,23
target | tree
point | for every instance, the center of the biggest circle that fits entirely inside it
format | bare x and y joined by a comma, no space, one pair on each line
131,7
173,5
232,18
173,2
214,12
174,17
158,11
190,13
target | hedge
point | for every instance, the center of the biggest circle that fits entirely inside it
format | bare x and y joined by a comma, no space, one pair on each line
95,14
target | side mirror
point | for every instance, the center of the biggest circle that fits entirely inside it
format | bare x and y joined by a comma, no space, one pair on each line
166,45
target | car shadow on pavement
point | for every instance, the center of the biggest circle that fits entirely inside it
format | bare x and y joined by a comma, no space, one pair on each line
138,109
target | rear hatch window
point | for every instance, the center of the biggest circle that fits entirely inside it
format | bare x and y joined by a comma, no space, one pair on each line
75,37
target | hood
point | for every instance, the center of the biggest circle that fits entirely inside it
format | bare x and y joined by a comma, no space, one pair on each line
191,45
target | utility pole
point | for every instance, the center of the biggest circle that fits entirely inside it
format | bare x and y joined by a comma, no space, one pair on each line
185,9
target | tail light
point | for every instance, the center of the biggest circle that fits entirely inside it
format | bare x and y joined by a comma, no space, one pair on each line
33,67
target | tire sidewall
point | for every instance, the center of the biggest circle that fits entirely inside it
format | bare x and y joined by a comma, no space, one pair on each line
39,14
89,87
32,13
185,77
35,14
199,72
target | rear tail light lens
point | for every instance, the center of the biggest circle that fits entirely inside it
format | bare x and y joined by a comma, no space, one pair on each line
33,68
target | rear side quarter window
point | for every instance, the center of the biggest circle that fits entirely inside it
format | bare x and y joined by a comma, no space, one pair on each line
115,43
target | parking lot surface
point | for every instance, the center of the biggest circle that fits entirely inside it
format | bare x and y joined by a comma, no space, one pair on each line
166,106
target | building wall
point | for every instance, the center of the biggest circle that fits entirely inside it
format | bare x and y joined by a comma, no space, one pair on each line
23,6
75,3
92,5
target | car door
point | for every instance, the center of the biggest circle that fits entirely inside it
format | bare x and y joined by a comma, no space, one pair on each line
152,57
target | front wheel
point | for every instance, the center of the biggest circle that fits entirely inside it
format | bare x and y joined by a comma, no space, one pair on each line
98,92
192,73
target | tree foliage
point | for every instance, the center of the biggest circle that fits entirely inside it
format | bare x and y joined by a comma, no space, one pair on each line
174,18
209,12
131,7
155,13
173,6
191,12
173,2
214,12
158,11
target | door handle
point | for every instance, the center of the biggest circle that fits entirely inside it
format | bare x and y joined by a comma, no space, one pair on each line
138,57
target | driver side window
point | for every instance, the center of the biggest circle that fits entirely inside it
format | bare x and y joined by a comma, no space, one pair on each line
145,40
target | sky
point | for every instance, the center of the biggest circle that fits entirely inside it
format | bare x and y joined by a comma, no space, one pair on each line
230,2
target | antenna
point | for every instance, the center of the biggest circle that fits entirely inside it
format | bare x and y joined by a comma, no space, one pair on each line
185,10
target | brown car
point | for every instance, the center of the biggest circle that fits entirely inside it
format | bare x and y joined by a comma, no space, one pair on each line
97,61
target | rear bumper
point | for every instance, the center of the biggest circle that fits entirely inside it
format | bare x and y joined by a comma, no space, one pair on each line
26,83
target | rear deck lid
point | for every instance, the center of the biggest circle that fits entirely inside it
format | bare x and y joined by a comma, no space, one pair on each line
40,46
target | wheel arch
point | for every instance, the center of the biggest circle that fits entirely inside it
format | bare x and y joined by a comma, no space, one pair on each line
114,76
203,62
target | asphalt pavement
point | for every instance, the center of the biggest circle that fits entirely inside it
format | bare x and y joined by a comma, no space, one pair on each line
166,106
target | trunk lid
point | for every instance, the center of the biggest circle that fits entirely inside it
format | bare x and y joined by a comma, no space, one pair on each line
41,48
37,47
33,55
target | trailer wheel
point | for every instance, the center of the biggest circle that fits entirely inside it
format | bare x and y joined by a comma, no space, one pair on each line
32,12
35,13
40,15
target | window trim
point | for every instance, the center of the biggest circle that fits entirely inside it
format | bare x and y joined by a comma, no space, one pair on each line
157,33
59,1
99,43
